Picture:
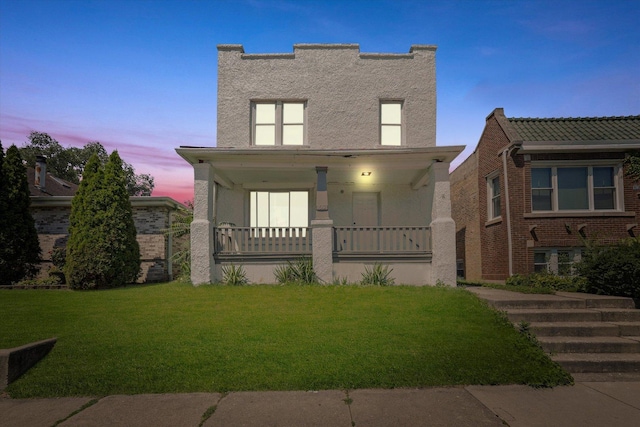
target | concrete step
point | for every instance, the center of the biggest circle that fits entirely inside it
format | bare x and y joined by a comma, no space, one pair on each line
555,315
598,362
620,315
536,302
574,329
628,328
589,345
599,301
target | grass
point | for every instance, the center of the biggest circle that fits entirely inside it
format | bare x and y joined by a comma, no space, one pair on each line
171,338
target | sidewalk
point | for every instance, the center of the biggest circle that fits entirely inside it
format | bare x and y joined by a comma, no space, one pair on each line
585,404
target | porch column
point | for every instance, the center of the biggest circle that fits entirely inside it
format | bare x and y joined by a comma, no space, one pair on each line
443,228
202,265
322,230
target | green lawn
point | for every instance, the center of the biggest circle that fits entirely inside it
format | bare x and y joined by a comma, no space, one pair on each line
177,338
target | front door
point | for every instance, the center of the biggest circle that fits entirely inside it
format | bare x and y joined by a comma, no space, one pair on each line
366,209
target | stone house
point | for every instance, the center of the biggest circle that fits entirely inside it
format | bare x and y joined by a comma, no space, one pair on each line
327,153
51,206
536,189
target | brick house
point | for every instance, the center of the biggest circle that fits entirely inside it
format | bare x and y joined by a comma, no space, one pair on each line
534,189
328,153
51,206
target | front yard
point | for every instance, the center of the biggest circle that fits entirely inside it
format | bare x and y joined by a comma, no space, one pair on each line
173,337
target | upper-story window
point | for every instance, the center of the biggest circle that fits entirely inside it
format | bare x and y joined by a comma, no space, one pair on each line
278,123
493,196
575,188
391,122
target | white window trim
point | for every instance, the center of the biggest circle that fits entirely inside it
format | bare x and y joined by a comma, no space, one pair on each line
401,125
491,216
279,121
554,165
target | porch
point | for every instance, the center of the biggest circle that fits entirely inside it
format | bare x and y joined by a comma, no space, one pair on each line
346,209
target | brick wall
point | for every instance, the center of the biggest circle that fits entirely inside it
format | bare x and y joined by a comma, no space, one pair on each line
464,211
493,234
562,231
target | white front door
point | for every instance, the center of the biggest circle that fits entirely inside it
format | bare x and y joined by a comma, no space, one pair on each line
366,209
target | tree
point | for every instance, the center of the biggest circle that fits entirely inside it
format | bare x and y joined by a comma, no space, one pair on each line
69,163
19,245
632,162
102,250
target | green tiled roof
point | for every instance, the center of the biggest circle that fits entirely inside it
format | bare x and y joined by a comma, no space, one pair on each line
578,129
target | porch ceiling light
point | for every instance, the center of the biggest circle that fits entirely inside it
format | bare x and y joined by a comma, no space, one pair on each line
366,173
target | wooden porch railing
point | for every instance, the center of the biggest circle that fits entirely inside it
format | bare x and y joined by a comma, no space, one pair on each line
377,240
262,240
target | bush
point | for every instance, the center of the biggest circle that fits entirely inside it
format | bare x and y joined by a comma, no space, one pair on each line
612,270
301,271
43,283
547,281
379,275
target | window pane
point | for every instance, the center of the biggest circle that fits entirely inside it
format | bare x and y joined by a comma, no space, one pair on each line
299,209
293,135
265,135
541,200
293,113
540,262
496,208
495,184
541,178
391,135
265,113
262,208
279,210
604,198
391,113
603,177
572,189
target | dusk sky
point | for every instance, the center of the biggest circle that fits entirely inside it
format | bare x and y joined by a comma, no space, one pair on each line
140,75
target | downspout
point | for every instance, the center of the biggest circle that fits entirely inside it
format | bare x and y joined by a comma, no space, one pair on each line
507,152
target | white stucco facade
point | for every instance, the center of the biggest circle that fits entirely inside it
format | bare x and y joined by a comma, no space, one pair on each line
385,204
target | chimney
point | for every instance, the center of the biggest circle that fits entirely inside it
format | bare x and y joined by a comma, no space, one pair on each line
41,172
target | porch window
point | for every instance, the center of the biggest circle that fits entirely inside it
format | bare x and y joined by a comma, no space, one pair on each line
278,123
391,123
284,209
576,188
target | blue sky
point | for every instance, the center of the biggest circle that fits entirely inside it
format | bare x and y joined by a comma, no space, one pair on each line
140,75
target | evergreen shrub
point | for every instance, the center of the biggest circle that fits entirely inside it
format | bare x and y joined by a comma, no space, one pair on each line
102,250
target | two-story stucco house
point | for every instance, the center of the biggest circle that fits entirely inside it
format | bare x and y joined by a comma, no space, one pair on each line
535,190
329,153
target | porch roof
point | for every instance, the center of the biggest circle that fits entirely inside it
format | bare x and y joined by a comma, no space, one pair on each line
259,167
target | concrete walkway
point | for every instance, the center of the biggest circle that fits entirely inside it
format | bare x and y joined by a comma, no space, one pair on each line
584,404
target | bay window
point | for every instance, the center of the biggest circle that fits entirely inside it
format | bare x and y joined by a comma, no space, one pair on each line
574,188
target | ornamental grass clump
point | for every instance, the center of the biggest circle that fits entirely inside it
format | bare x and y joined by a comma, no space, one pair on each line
301,271
233,275
379,275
